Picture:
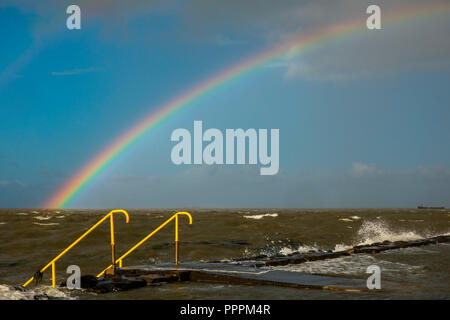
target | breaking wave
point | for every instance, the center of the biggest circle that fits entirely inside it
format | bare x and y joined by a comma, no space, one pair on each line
379,231
369,232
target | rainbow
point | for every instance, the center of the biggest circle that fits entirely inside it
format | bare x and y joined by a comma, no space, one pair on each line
295,45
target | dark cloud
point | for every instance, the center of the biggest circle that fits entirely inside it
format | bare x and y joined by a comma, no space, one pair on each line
363,185
418,45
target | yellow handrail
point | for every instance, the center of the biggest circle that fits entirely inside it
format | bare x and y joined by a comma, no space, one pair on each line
175,216
52,263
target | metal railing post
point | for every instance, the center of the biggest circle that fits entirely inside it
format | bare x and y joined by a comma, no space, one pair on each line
113,251
176,240
53,274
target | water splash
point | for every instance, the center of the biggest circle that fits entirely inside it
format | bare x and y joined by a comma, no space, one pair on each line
300,249
379,231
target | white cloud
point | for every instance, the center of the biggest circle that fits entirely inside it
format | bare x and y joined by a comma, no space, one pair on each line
359,169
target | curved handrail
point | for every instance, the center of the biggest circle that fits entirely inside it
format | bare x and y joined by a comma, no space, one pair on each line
175,216
109,215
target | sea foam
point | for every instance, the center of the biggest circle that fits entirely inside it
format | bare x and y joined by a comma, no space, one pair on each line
42,292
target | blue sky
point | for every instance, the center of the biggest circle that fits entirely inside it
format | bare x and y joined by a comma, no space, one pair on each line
364,121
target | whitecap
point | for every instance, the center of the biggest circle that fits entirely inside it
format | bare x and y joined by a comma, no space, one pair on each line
260,216
42,217
46,224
